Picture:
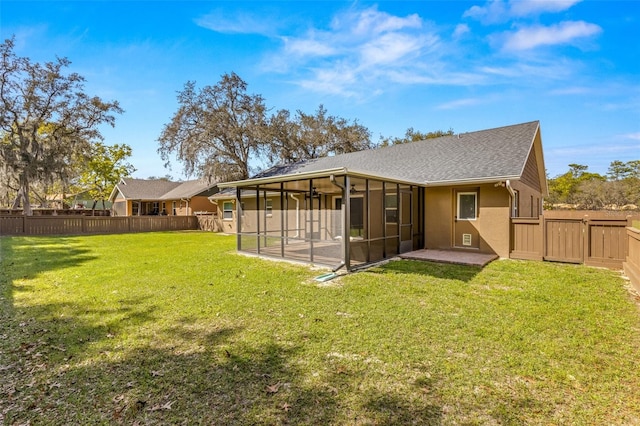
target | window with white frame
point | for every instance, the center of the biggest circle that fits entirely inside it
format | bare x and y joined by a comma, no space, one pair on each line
516,203
268,207
467,205
391,208
227,210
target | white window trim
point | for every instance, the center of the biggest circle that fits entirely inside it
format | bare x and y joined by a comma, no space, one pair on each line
268,211
396,208
475,207
231,210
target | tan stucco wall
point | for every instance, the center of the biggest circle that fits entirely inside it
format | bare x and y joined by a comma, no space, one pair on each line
492,224
530,200
199,204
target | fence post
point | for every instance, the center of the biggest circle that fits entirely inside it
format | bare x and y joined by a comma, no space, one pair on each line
586,238
543,226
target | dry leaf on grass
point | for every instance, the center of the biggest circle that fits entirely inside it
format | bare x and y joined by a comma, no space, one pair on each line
162,407
274,388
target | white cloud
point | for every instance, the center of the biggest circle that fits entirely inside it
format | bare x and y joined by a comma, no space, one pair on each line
239,23
605,147
495,11
632,136
390,48
461,29
361,49
499,11
536,7
571,90
307,47
370,22
362,52
563,33
460,103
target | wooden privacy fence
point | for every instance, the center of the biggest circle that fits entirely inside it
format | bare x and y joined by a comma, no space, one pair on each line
209,222
75,225
632,263
590,237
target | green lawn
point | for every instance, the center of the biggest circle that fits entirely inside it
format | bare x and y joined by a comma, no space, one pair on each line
175,328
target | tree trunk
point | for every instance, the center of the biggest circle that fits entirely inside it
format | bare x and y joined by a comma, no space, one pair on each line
23,193
16,201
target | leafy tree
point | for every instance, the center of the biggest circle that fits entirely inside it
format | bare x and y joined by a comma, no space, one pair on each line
308,136
618,170
592,191
216,130
219,131
166,178
565,188
104,169
47,122
412,135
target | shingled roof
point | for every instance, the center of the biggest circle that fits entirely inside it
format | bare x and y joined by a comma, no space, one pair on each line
494,154
157,189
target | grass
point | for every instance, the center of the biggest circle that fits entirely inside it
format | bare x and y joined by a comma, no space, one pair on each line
173,328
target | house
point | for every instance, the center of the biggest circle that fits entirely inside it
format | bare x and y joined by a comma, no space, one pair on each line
140,197
456,192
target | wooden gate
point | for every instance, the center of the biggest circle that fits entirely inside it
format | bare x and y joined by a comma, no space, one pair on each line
564,240
592,238
607,243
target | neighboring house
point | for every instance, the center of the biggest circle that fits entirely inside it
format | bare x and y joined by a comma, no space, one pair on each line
78,201
455,192
140,197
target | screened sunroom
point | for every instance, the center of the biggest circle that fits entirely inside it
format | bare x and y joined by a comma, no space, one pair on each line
330,218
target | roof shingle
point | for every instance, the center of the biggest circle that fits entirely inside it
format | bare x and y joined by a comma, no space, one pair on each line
487,154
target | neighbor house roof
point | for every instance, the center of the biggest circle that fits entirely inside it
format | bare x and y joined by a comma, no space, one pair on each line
486,155
156,189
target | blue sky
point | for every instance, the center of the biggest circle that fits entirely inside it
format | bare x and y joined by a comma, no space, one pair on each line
431,65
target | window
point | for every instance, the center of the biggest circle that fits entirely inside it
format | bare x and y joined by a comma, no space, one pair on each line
268,208
391,208
227,210
531,207
174,210
516,202
467,205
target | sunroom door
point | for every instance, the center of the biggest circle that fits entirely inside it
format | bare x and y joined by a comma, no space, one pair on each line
406,221
465,233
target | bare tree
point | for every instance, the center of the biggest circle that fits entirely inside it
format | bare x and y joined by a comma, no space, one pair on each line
47,122
315,135
216,130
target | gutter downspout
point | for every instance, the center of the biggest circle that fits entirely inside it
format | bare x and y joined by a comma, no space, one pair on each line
512,194
293,196
345,240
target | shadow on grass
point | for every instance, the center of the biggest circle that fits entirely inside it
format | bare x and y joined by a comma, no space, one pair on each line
26,257
64,363
193,373
446,271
